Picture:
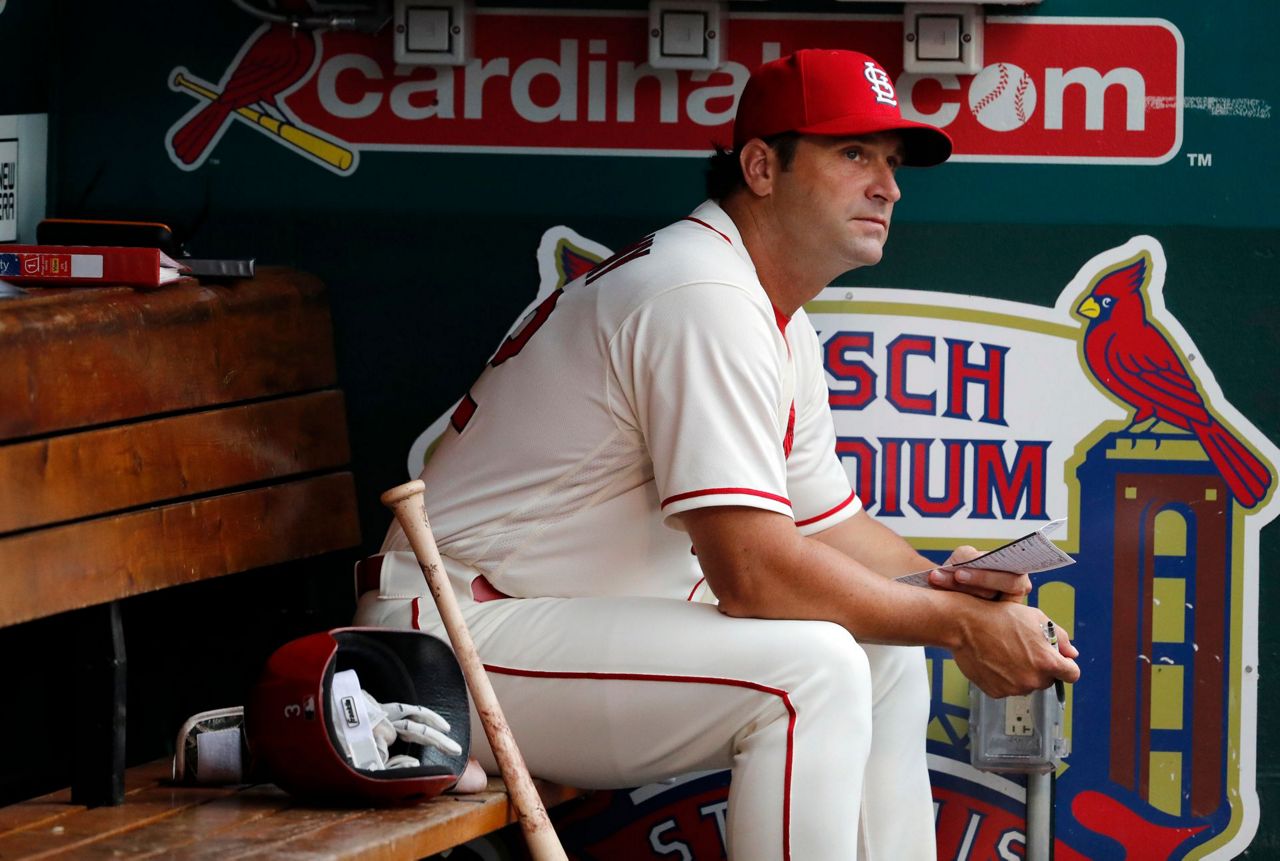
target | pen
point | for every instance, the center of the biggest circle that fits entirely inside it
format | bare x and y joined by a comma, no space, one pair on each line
1051,634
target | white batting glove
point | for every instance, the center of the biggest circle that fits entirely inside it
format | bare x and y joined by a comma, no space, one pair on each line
410,723
420,725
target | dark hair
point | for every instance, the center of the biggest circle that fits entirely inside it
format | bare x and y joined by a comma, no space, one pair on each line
724,173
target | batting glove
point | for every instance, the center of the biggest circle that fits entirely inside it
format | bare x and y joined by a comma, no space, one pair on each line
409,723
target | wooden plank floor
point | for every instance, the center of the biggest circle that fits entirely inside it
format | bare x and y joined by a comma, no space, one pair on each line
162,821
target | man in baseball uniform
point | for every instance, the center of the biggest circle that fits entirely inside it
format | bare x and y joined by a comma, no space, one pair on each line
662,421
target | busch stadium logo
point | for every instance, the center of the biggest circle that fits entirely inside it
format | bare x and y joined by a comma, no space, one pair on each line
993,416
556,81
962,419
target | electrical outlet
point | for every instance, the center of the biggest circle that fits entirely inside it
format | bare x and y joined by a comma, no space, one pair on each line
1016,734
433,32
1018,717
687,34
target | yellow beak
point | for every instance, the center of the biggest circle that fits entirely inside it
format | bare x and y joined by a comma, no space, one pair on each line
1089,308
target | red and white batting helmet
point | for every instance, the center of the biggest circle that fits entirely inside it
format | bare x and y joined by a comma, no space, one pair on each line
289,719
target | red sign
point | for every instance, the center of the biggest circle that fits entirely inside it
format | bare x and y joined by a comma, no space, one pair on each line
1100,90
1051,90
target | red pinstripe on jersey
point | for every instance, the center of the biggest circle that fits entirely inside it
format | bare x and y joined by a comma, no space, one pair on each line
695,680
828,512
708,226
712,491
701,580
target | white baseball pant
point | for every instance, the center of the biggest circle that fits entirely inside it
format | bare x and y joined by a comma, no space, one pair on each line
824,736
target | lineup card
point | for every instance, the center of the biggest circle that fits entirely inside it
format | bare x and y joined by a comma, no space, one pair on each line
1030,554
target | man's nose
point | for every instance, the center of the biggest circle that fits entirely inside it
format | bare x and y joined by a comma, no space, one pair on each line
885,185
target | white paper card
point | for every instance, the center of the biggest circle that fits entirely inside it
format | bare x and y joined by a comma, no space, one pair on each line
1030,554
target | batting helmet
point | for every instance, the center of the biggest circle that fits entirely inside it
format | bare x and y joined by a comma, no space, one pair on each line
290,724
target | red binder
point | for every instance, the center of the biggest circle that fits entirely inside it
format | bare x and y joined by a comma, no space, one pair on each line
69,265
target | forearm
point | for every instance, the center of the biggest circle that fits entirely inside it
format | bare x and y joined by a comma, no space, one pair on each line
760,566
875,545
779,574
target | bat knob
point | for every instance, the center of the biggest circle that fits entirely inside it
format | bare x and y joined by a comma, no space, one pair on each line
401,492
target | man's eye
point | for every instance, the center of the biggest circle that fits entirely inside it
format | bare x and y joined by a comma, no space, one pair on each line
853,154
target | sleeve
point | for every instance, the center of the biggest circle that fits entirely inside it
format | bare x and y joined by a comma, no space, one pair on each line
817,483
699,372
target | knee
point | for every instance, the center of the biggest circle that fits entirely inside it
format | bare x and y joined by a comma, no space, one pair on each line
826,645
900,679
829,657
836,684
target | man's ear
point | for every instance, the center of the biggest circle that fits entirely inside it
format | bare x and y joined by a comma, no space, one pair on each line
759,166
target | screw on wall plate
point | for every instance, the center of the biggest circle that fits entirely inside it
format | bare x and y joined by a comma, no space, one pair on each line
967,37
455,30
655,32
711,34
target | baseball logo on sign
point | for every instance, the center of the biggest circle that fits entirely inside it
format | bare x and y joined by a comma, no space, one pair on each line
880,84
1002,97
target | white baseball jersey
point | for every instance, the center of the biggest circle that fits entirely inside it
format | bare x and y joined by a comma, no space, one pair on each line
661,381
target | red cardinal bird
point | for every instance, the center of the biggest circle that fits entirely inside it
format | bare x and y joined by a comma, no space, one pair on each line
1136,363
274,61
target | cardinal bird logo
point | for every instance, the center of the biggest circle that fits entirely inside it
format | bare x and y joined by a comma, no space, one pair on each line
274,61
1136,364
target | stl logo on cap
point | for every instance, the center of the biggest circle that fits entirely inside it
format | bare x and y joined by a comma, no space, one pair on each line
881,86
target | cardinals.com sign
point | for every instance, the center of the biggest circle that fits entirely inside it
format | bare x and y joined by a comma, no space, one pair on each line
963,419
1105,90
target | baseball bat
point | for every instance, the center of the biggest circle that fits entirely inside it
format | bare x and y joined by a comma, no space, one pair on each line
406,502
322,149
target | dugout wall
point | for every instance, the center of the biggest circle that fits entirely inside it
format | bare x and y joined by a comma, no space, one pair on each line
1136,118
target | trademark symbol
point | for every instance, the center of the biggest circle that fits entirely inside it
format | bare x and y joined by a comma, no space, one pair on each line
1200,159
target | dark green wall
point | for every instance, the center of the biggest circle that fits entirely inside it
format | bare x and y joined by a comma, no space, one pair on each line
429,256
25,61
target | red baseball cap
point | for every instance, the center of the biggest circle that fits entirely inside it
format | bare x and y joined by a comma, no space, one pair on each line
832,93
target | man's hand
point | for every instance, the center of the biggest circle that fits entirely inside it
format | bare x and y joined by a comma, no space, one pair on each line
1005,651
1006,585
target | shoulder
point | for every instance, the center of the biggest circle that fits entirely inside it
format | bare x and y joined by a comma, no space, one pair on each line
703,246
711,324
688,251
707,306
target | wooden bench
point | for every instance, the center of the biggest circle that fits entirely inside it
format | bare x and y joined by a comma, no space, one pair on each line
151,439
161,821
154,438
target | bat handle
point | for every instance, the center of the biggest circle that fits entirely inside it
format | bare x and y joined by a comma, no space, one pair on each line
406,502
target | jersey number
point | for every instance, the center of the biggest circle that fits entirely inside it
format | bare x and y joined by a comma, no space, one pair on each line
516,342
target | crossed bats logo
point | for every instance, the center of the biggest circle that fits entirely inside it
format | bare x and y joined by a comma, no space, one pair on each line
273,62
